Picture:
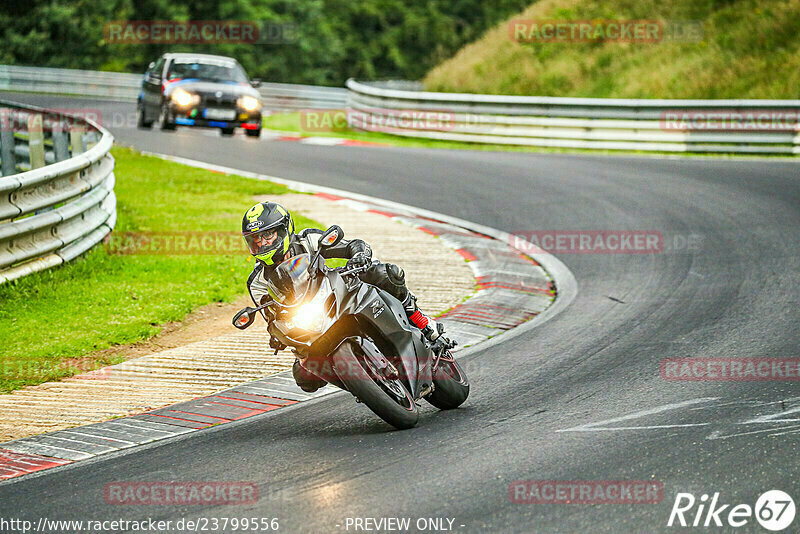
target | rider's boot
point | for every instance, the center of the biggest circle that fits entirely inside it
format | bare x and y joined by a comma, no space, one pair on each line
307,381
431,329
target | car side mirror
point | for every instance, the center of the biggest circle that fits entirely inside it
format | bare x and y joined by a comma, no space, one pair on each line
244,318
332,236
255,83
151,65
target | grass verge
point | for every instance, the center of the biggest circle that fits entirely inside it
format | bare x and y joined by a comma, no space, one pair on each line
51,322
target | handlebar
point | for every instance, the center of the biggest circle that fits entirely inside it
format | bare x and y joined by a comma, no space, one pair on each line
344,271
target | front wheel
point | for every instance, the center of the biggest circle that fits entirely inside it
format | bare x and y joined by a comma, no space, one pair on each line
450,384
389,399
141,122
227,131
164,121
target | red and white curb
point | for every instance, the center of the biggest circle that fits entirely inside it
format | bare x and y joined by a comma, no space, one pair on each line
274,135
324,141
513,287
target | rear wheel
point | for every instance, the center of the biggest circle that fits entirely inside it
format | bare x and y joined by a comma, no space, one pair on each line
227,131
389,399
451,387
253,133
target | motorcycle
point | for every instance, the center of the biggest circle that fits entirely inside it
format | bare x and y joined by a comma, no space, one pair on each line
357,337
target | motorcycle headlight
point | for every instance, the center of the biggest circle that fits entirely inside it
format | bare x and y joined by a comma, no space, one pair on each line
184,98
248,103
311,315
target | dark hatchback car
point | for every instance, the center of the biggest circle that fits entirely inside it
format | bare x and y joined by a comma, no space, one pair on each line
199,90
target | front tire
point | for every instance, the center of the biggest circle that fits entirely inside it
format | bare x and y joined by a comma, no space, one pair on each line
450,384
141,123
227,131
399,412
164,122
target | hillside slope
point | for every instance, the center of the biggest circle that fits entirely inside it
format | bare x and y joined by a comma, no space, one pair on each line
748,49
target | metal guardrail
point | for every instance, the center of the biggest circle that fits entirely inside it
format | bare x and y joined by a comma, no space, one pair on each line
126,87
585,123
62,203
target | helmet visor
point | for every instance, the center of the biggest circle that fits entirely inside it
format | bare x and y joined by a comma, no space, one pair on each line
266,240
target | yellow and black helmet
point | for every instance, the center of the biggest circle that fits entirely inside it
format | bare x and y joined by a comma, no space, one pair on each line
268,228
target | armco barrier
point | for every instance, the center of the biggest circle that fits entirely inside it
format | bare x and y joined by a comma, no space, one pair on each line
583,123
126,87
62,202
726,126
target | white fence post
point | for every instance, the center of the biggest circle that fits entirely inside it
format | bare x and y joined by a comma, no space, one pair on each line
35,141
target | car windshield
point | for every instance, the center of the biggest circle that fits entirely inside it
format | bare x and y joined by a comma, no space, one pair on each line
288,282
213,71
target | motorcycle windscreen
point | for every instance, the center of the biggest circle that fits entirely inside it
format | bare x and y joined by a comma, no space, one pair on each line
288,282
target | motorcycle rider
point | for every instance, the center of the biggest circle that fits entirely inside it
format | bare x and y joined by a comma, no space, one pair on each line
268,230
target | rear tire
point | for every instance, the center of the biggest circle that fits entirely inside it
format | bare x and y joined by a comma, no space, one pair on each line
227,131
350,370
253,133
451,387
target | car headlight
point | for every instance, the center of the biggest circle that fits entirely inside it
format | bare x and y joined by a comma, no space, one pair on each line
248,103
184,98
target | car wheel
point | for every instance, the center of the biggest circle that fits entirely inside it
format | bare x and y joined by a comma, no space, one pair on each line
163,120
253,133
227,131
141,122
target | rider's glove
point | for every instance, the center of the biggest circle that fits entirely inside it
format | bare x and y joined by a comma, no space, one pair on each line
360,259
275,343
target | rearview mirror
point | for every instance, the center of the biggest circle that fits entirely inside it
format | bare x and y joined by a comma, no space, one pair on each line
255,83
332,236
244,318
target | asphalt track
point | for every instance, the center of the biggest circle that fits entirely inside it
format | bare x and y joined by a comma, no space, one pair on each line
735,293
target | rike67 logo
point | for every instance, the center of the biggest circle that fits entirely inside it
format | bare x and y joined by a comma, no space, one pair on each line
774,510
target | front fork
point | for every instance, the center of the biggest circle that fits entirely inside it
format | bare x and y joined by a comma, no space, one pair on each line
441,348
